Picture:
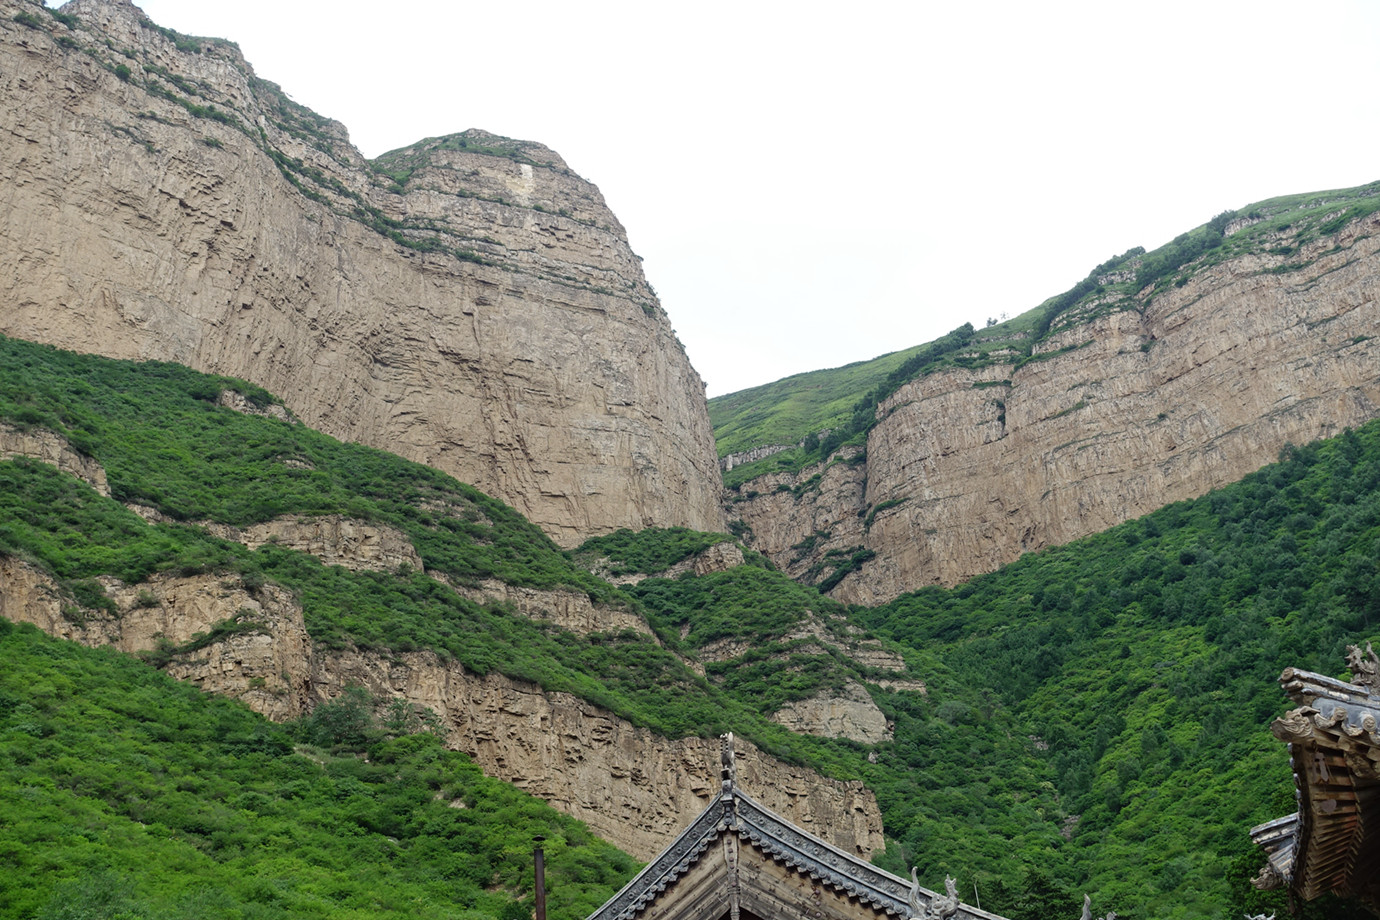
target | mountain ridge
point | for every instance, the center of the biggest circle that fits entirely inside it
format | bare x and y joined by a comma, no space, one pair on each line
477,309
1160,377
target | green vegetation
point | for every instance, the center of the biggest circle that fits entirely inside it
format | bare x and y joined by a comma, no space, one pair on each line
786,411
748,414
1083,707
1143,662
646,552
124,794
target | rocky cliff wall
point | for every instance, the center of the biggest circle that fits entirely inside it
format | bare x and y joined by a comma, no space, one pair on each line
633,788
468,302
1112,418
51,447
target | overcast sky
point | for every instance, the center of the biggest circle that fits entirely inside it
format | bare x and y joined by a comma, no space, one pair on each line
810,184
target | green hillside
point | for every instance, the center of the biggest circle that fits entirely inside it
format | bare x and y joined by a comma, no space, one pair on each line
124,794
1095,717
843,400
785,411
1143,663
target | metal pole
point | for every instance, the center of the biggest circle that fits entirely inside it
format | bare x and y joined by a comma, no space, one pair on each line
539,858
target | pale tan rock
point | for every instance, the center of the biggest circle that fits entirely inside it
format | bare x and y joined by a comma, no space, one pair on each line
796,519
849,713
28,595
632,787
52,448
966,472
718,558
904,686
335,540
230,399
568,609
268,667
549,378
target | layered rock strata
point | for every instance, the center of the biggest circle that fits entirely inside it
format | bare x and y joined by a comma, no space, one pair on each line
1112,418
632,787
468,302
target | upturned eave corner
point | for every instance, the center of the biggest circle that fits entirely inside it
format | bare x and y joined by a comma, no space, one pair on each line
1329,845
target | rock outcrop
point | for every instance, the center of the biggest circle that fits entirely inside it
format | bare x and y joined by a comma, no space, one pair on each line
53,448
635,789
572,610
335,540
1113,417
718,558
467,302
849,713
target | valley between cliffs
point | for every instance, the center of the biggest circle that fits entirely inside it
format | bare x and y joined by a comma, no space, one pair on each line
467,302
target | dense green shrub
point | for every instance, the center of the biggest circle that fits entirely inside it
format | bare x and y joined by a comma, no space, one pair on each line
126,794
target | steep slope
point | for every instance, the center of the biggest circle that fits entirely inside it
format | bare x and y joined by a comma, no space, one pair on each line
126,794
1159,378
468,302
260,559
1030,723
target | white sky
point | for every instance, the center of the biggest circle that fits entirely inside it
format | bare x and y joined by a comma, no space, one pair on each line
812,184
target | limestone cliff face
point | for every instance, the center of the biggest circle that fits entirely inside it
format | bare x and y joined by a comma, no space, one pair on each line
1114,417
632,787
468,302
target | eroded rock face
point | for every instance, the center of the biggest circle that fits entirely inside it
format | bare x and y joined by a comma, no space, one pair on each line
514,343
266,662
567,609
632,787
968,469
333,539
51,447
718,558
847,714
797,519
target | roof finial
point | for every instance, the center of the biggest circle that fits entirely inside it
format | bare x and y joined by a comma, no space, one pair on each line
727,770
1365,668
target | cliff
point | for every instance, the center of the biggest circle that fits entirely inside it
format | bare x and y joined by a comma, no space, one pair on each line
467,302
1128,404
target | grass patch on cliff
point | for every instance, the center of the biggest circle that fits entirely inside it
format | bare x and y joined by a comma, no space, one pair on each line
125,793
829,419
166,442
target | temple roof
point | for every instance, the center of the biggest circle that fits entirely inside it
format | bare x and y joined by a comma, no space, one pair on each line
1330,844
759,834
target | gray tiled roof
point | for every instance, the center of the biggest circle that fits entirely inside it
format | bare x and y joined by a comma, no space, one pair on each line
735,812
